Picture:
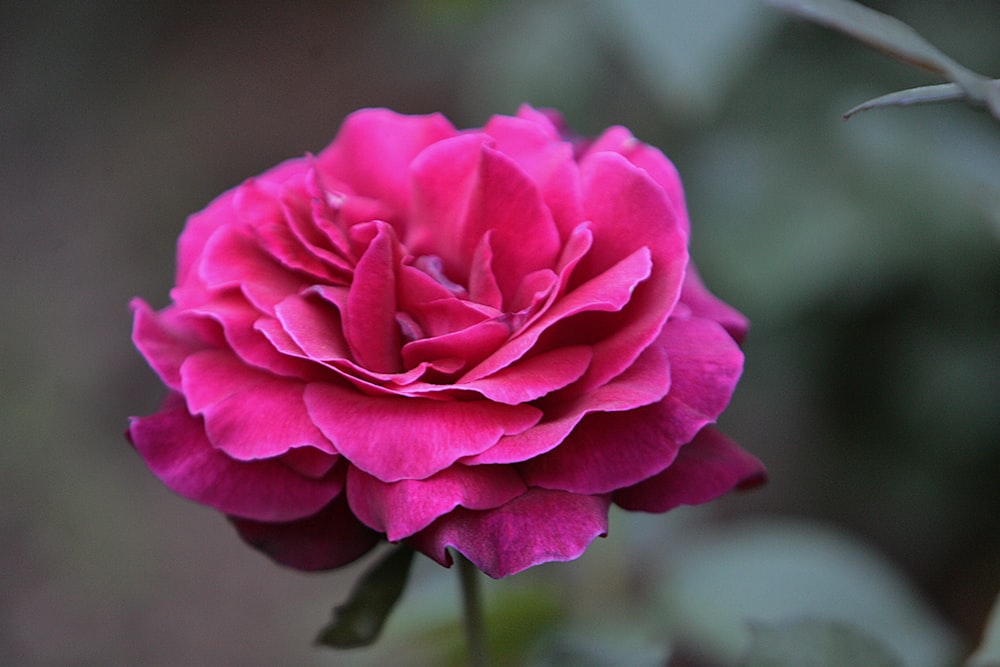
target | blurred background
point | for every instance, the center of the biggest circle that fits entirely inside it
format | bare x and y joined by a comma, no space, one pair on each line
866,254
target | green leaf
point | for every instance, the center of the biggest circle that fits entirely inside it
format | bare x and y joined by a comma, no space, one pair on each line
816,643
894,38
359,620
988,653
944,92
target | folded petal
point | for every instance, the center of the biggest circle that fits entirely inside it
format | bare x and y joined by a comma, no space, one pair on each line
645,382
370,319
709,466
176,449
396,438
400,509
326,540
537,527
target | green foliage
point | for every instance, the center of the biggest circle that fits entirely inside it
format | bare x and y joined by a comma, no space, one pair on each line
895,38
358,622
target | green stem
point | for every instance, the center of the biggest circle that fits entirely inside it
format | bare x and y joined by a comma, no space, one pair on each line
475,632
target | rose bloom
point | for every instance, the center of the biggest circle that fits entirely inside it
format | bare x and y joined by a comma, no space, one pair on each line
472,339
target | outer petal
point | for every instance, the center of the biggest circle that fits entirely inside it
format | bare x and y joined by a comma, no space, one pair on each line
537,527
709,466
649,159
607,451
176,449
165,340
400,509
704,304
328,539
396,438
248,414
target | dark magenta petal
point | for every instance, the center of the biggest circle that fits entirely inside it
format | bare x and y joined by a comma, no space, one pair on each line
400,509
709,466
396,438
537,527
374,148
331,538
176,449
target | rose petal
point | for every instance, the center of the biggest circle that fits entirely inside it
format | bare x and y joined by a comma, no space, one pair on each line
709,466
165,339
176,449
374,149
607,451
396,438
233,259
607,292
370,319
628,209
248,414
645,382
705,365
537,527
331,538
239,322
400,509
651,160
535,377
704,304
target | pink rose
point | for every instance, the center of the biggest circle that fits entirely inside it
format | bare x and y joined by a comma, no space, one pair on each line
473,339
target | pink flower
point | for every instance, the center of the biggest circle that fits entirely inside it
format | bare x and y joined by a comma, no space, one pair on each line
471,339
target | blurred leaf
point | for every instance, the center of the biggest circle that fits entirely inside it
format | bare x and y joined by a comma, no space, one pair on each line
359,621
768,572
988,653
944,92
816,643
894,38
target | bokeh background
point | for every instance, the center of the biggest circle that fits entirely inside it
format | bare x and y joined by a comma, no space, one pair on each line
866,253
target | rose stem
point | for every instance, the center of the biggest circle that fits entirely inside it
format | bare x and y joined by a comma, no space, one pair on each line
474,630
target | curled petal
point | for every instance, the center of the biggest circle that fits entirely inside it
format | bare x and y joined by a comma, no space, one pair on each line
328,539
176,449
537,527
400,509
165,339
645,382
709,466
394,438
